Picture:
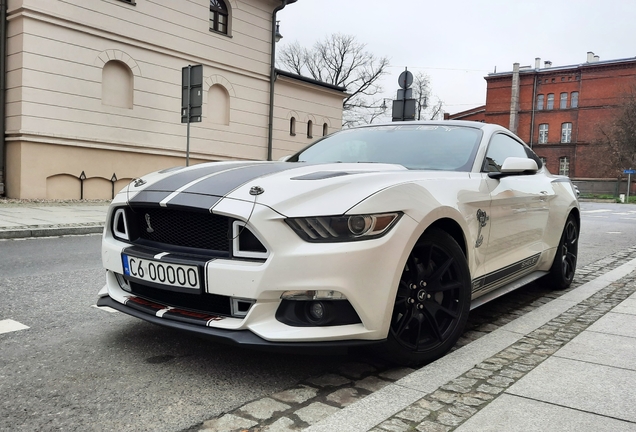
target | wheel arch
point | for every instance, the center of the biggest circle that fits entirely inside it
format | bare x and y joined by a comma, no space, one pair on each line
452,228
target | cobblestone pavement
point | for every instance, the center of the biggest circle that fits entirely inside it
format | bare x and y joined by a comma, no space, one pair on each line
448,407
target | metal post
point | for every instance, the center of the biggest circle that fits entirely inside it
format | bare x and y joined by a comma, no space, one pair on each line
188,127
629,184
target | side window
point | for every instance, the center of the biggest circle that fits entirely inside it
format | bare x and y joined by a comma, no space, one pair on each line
501,147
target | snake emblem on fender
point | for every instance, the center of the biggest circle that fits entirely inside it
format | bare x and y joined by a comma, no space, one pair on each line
482,218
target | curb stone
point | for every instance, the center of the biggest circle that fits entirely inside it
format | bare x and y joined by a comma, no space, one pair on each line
51,232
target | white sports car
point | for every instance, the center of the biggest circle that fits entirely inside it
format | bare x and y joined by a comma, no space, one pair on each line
379,235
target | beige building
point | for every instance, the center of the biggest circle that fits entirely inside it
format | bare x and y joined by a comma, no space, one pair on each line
93,92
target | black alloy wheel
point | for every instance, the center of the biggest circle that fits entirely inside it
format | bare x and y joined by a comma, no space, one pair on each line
564,266
432,302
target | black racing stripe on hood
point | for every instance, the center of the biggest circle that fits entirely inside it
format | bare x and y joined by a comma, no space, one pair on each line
180,179
225,182
200,201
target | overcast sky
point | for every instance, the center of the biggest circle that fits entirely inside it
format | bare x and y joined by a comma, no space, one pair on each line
458,42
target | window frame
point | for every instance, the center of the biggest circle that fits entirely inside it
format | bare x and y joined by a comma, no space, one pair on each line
215,17
310,129
540,102
566,132
550,102
574,99
564,166
563,100
543,133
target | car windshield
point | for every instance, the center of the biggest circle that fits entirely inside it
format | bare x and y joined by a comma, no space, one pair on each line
420,147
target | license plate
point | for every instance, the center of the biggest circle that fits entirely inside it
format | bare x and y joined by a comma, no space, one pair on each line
176,275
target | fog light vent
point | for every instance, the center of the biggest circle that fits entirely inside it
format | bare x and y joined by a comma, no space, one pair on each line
240,307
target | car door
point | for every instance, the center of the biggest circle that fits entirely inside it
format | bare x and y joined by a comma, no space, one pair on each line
518,213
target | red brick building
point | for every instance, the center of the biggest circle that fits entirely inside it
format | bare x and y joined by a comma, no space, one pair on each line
558,110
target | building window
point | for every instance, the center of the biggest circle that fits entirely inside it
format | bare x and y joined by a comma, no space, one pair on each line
292,126
574,99
564,166
563,104
566,132
540,102
325,129
117,85
543,133
550,101
310,129
219,16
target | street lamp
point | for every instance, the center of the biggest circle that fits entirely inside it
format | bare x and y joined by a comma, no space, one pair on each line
278,36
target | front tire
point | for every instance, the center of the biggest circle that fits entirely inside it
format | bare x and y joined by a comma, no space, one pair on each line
432,301
562,271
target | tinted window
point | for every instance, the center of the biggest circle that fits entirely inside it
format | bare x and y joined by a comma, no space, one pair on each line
426,147
501,147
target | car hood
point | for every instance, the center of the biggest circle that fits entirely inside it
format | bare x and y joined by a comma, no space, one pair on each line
292,189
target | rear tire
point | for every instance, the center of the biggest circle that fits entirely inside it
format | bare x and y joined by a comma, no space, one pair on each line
432,301
564,265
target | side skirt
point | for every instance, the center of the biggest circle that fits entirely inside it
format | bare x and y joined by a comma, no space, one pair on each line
506,289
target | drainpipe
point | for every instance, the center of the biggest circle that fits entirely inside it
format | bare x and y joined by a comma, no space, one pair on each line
3,85
534,100
272,79
514,99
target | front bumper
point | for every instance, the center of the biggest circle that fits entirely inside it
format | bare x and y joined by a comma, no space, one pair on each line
366,272
244,338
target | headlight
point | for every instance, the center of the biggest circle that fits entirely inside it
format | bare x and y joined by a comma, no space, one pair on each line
343,228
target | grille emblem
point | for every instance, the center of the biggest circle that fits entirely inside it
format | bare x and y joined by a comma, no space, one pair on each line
149,229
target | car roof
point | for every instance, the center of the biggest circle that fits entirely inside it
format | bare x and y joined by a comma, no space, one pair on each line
463,123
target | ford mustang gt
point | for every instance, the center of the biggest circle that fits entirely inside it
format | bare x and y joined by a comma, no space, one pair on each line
380,235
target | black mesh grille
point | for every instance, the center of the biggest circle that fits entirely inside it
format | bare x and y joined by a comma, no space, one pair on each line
211,303
184,228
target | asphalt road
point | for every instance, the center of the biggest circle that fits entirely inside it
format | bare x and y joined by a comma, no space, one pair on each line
80,368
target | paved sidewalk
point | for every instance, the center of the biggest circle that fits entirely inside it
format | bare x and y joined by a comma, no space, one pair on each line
51,219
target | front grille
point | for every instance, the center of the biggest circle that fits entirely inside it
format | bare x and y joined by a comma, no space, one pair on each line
211,303
191,229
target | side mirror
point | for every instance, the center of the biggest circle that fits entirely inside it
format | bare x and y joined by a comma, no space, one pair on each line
516,166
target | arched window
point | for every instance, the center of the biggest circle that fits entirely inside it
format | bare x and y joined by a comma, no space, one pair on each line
219,16
218,105
292,126
117,85
325,129
310,128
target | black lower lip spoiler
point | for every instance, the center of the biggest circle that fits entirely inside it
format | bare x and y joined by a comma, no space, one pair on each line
245,338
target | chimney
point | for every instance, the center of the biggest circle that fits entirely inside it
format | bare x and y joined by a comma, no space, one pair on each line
590,56
547,63
596,58
537,63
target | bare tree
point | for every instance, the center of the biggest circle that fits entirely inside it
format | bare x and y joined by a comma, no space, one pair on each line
423,98
343,61
616,144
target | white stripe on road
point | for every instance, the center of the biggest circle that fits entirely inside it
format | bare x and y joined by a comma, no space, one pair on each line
596,211
8,326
